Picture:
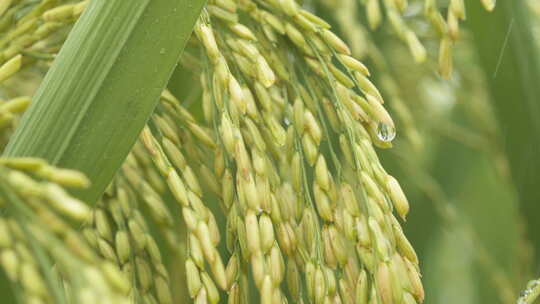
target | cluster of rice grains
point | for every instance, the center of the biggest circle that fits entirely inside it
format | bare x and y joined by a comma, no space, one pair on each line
31,33
396,12
449,28
10,111
41,249
121,234
291,120
203,234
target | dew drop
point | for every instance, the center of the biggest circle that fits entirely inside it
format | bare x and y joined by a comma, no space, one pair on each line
528,295
385,132
286,121
162,51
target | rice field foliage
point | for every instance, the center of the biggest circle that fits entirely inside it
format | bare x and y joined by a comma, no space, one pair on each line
266,169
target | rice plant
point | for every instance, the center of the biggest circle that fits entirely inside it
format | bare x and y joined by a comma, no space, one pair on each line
259,151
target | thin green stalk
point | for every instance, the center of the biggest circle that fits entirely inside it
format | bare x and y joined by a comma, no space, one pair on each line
104,85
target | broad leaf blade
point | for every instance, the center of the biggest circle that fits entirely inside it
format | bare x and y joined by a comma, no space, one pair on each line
104,85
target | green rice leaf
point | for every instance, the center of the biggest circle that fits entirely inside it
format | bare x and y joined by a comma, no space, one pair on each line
103,86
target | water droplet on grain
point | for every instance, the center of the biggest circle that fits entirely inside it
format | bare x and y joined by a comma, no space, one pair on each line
286,121
385,132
